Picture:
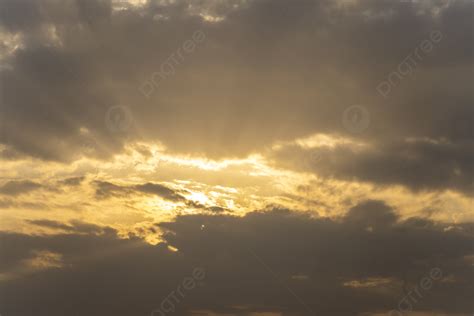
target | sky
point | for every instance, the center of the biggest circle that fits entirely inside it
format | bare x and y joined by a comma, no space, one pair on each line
236,157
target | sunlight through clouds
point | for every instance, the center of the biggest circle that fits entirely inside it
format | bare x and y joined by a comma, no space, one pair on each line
237,157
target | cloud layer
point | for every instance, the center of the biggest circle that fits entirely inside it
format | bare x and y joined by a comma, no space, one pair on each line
251,82
275,260
312,157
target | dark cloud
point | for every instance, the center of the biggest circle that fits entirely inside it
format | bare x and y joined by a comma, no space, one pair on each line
15,187
106,189
160,190
372,214
74,181
250,262
269,71
50,224
12,203
417,164
75,226
103,264
19,15
264,71
218,209
212,209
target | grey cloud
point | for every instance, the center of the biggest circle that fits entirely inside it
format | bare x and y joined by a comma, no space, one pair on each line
160,190
250,83
9,153
19,15
83,227
50,224
231,249
418,164
106,189
371,214
74,226
212,209
17,187
217,209
271,70
93,261
172,195
74,181
12,203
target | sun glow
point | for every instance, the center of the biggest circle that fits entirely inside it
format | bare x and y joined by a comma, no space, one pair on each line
198,197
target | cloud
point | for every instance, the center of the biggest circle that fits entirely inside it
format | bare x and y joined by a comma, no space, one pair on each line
371,214
75,226
73,181
160,190
250,83
15,188
17,15
420,165
12,203
249,260
267,75
106,189
50,224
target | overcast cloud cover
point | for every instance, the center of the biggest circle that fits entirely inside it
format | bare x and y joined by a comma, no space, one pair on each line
142,139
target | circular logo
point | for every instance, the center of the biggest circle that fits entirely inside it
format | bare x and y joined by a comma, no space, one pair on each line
315,156
88,146
118,118
356,119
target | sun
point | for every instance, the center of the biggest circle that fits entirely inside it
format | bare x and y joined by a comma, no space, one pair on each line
198,197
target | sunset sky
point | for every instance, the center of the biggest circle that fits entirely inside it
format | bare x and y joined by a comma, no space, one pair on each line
284,157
